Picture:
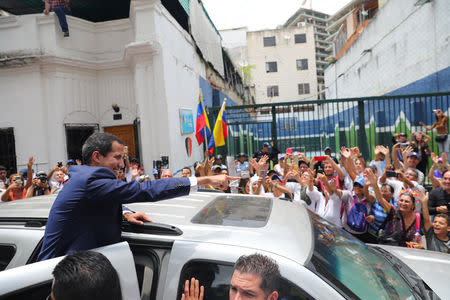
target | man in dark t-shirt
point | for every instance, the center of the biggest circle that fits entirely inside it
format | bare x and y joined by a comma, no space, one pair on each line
439,202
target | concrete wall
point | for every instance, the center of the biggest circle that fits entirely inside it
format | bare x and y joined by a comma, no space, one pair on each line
147,64
404,44
285,53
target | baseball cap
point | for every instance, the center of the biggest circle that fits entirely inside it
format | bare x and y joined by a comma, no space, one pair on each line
71,161
242,154
134,160
266,144
326,149
414,154
215,167
440,159
360,180
218,156
223,167
281,156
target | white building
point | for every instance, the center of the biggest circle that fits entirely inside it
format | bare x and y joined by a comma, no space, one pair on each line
403,49
284,64
56,91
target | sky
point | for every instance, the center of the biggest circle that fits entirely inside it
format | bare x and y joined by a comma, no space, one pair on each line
262,14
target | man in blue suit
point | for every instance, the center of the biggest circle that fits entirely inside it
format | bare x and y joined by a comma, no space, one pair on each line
88,212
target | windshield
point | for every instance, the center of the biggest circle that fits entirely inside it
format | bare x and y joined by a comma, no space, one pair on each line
352,267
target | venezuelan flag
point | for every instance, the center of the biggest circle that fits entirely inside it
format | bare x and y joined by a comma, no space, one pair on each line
220,130
202,123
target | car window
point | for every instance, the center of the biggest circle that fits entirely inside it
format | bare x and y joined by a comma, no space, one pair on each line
147,270
215,277
235,210
35,292
351,267
6,255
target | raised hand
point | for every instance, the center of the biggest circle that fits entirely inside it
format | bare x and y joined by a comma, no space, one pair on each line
345,152
30,161
384,150
192,291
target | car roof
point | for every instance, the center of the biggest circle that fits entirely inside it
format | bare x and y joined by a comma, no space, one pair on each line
287,231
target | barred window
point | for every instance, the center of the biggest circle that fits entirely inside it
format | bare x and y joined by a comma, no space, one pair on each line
269,41
272,91
303,88
271,66
302,64
300,38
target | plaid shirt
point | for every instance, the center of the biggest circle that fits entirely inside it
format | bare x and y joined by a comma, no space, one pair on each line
380,215
55,3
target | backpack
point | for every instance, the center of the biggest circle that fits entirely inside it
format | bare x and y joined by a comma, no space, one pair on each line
356,219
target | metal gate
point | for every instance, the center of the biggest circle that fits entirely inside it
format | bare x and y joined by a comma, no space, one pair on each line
310,126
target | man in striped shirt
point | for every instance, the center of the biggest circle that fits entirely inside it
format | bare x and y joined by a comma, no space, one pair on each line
61,9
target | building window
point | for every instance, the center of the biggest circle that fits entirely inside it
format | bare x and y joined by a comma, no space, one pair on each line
303,88
300,38
269,41
302,64
272,91
271,66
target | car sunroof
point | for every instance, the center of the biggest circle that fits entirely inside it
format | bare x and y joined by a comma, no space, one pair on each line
235,210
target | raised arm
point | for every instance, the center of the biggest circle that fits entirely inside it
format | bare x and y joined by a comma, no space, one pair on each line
434,181
394,155
335,167
408,150
426,214
29,172
372,181
428,128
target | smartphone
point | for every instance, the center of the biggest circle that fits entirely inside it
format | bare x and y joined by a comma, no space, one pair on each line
125,149
262,174
19,181
319,158
296,162
391,174
60,164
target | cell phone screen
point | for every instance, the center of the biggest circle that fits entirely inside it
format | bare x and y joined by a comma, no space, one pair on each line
391,174
319,158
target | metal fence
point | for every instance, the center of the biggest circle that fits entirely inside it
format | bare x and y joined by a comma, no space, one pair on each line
310,126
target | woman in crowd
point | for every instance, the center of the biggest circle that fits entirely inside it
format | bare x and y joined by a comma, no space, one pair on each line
401,221
17,188
441,125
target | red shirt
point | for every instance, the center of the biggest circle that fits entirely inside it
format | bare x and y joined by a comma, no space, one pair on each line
55,3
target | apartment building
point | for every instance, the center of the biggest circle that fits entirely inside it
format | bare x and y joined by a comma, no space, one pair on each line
284,64
322,47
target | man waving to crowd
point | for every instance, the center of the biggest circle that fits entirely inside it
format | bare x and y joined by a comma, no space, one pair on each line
88,212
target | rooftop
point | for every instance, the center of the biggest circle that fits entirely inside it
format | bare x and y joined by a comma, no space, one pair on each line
93,11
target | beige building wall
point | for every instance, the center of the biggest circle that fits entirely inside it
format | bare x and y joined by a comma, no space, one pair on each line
285,53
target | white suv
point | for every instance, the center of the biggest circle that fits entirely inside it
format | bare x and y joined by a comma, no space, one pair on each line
203,234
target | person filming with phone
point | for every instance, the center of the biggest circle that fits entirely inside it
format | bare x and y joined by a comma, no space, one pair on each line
17,189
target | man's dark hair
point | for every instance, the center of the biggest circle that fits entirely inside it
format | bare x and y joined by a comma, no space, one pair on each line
187,168
260,265
86,275
101,142
390,187
2,168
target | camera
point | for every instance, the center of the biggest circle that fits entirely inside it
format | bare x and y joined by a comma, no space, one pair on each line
42,176
60,164
19,181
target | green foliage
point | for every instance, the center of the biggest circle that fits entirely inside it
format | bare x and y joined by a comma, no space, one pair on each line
247,71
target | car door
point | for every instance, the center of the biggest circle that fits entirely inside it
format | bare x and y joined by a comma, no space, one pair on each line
34,281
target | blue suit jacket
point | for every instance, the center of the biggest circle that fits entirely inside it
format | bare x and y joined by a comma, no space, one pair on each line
87,213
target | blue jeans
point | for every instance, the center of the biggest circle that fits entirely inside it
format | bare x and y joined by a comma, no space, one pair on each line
61,12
